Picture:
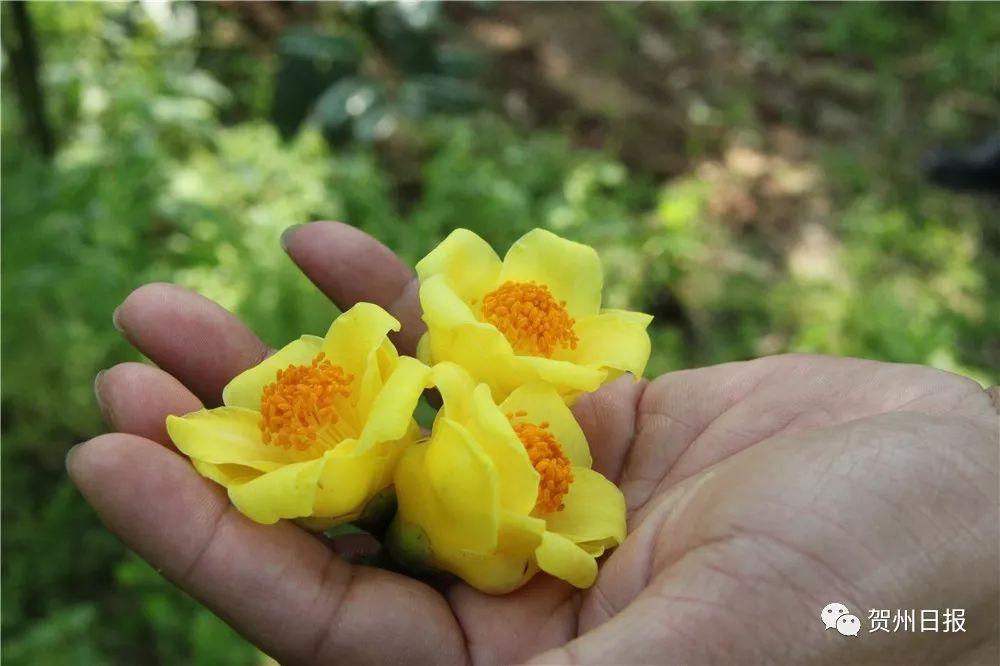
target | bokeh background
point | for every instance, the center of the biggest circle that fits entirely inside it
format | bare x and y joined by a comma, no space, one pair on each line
750,174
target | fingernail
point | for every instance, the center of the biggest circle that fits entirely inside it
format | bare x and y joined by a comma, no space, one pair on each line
69,458
115,320
286,235
105,412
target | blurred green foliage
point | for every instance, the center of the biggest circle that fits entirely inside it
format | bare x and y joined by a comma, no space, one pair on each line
182,160
327,75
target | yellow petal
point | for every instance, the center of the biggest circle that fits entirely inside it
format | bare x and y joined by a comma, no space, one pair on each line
225,475
593,511
542,403
473,406
228,435
571,271
464,480
569,379
483,352
613,339
443,308
456,387
490,428
245,388
467,263
377,367
391,412
417,504
595,548
519,533
357,341
486,355
509,566
356,335
350,476
424,350
287,492
449,488
562,558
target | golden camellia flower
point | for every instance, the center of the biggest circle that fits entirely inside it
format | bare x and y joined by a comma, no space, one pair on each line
501,491
315,430
535,316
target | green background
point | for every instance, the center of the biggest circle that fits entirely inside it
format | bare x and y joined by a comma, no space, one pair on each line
750,174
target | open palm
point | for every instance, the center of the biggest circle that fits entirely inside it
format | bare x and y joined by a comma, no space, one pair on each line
758,492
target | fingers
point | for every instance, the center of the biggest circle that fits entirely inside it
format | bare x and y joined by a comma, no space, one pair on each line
350,266
195,340
607,418
542,615
137,399
277,585
692,419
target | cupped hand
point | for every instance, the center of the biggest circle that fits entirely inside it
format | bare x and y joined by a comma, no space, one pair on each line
757,492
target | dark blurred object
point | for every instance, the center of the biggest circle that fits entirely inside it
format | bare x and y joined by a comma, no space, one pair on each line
311,62
19,42
974,169
369,68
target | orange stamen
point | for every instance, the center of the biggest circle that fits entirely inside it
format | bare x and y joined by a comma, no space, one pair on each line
530,318
300,403
549,461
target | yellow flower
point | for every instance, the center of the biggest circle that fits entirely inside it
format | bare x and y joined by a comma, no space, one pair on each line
499,492
534,317
315,430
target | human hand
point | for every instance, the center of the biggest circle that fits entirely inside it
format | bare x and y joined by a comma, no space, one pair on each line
866,483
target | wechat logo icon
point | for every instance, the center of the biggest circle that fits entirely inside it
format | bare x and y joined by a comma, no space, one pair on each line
836,616
831,613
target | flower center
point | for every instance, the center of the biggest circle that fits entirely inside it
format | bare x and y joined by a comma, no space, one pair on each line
300,404
531,319
548,460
